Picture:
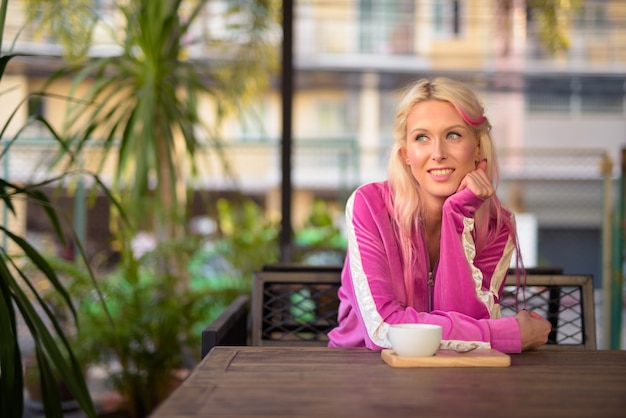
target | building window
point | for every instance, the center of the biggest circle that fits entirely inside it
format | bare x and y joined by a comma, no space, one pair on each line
386,26
548,95
603,95
447,18
592,95
538,102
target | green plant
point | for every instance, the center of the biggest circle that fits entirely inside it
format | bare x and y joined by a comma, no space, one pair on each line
149,326
19,296
248,238
213,276
156,319
320,240
554,18
52,349
78,280
155,324
142,105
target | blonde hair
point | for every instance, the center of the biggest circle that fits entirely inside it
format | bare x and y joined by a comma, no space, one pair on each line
405,191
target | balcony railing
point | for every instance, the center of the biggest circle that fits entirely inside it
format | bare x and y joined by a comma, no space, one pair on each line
327,30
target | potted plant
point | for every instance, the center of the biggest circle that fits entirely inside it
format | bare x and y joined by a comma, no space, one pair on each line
23,269
156,94
153,339
142,105
148,337
155,133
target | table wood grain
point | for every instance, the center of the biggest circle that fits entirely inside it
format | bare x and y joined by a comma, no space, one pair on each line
324,382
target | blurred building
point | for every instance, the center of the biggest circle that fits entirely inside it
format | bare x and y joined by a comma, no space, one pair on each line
559,121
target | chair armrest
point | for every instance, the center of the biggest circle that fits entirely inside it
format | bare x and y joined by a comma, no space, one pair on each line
230,328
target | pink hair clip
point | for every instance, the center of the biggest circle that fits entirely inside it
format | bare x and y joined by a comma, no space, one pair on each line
474,122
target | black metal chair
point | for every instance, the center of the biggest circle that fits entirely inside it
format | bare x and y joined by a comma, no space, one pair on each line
291,304
230,328
294,304
297,305
565,300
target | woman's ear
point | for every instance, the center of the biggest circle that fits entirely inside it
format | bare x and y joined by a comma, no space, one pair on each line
403,155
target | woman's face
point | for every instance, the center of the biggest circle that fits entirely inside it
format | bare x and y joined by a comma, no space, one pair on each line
440,149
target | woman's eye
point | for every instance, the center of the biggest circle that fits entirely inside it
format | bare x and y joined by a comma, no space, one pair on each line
453,135
421,138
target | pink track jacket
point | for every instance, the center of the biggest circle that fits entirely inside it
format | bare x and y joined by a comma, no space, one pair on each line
461,295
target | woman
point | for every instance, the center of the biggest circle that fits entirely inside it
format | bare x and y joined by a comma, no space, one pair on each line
433,243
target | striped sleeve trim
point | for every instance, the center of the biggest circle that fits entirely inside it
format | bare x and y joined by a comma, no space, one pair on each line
499,275
469,249
376,328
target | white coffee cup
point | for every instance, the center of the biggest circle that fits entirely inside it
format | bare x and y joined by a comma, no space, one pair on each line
415,340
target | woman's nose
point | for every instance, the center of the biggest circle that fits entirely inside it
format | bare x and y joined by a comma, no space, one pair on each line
439,150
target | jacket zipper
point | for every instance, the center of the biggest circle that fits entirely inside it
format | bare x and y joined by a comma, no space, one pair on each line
431,283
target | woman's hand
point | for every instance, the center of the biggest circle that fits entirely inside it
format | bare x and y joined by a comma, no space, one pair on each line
478,182
534,329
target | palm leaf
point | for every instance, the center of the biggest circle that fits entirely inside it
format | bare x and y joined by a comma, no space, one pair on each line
48,352
16,290
140,100
11,380
53,350
138,104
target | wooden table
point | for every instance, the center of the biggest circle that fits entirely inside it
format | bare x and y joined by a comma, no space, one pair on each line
323,382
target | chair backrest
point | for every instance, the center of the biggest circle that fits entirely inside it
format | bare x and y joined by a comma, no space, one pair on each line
294,304
566,300
229,328
297,305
